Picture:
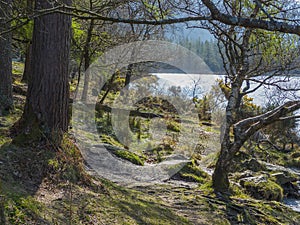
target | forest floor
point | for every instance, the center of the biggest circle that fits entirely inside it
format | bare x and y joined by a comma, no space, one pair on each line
41,183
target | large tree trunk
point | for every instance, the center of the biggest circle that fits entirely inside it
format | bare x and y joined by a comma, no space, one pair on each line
6,100
48,90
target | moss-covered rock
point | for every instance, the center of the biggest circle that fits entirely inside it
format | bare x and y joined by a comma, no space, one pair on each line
284,177
130,156
191,172
261,187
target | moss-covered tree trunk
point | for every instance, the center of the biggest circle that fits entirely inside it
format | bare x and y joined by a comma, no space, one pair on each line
48,90
6,100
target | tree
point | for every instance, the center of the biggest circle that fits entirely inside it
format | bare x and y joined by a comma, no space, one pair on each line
6,100
46,107
26,32
249,56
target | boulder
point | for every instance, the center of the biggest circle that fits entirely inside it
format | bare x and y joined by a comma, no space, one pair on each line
291,190
261,187
283,177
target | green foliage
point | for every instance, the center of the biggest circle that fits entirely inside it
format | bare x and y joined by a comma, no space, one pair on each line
173,126
156,11
275,47
247,107
100,40
23,32
203,107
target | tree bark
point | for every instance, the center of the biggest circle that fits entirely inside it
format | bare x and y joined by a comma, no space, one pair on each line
129,72
87,60
6,99
46,107
27,68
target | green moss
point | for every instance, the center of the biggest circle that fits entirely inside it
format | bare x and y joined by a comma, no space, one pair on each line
267,190
17,208
173,126
110,140
17,68
160,152
192,172
130,156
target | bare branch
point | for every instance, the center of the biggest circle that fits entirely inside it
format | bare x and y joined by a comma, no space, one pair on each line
247,127
250,22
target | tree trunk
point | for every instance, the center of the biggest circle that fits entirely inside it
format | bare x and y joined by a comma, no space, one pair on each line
2,215
6,100
228,147
48,91
87,60
220,177
27,68
129,72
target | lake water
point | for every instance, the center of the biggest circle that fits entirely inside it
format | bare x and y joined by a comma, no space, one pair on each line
207,80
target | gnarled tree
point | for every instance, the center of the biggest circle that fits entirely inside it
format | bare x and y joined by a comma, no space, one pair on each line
252,59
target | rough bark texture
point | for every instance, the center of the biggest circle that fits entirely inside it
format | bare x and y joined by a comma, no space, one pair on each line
6,100
48,90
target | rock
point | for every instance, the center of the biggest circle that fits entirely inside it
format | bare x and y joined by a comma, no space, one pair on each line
176,157
254,179
283,178
261,187
254,165
291,189
247,173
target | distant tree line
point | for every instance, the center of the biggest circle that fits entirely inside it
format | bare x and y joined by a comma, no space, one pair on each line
208,50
